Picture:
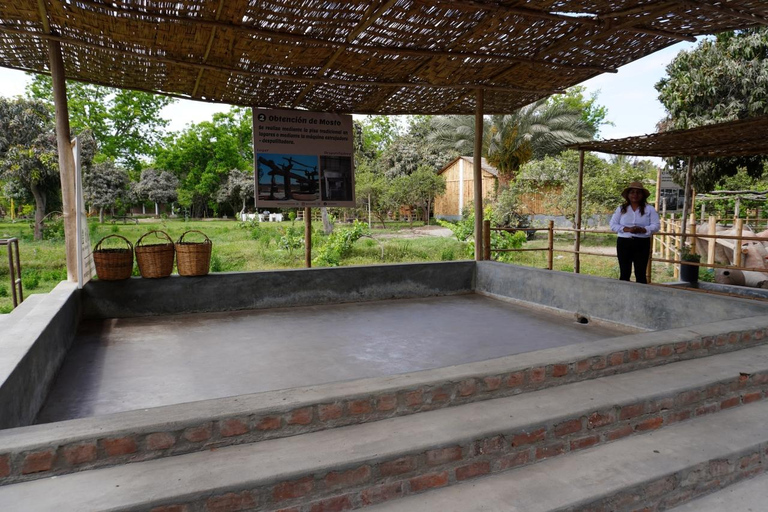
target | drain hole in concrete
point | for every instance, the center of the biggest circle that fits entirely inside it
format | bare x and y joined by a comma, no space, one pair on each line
582,319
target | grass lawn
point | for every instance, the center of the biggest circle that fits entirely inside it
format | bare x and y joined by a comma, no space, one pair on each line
248,246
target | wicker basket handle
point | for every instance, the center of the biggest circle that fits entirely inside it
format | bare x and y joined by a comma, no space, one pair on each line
207,240
98,245
138,242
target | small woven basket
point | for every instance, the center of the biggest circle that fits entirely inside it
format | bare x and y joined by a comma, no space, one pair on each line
113,264
155,260
193,258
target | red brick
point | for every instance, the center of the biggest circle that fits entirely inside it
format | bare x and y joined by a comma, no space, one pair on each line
269,423
707,342
473,470
356,407
537,374
230,502
634,355
651,353
467,387
660,487
489,445
528,437
326,412
79,454
5,466
233,427
751,397
301,416
583,365
730,402
618,433
492,383
171,508
386,403
515,380
600,419
749,460
758,334
681,347
688,397
443,455
431,481
722,339
37,462
381,493
349,478
560,370
441,394
116,446
676,416
160,441
666,350
198,434
695,345
663,404
720,468
650,424
290,509
552,450
707,409
293,489
716,391
746,337
733,338
513,460
616,358
335,504
631,411
599,363
584,442
414,398
398,466
567,427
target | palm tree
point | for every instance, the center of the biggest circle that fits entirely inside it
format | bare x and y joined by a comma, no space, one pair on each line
534,131
456,134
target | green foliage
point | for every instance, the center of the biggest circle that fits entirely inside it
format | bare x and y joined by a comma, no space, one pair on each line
464,231
291,238
339,244
30,278
53,229
3,291
722,79
592,112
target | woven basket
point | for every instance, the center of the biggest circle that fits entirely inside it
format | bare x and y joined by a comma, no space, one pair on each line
193,258
155,260
113,264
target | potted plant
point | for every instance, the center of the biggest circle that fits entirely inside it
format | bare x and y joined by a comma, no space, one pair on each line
689,273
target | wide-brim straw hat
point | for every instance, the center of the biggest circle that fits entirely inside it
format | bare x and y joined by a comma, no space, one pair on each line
638,186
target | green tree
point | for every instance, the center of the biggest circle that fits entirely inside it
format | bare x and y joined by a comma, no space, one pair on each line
202,155
426,185
455,135
723,79
126,124
104,185
237,190
157,187
592,113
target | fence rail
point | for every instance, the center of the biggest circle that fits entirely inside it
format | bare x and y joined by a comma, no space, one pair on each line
14,269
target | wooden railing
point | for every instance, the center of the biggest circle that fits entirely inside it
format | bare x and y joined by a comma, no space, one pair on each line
14,269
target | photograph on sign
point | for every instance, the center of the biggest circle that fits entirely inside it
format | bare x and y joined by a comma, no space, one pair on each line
303,159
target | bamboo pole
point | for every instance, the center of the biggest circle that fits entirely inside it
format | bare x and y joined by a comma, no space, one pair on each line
486,240
670,240
712,243
66,158
687,197
579,197
692,228
478,174
678,246
551,244
308,237
737,248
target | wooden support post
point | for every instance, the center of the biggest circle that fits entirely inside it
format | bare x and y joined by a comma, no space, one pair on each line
737,248
66,158
687,200
308,237
550,244
737,209
486,240
678,247
579,192
712,243
478,174
692,238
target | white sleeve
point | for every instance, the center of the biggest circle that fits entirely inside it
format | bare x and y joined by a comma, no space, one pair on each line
654,222
615,223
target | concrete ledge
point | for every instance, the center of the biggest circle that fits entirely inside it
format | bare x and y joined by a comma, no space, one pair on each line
198,426
274,289
645,307
32,350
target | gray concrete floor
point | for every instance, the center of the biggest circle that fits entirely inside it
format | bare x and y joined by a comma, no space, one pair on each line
125,364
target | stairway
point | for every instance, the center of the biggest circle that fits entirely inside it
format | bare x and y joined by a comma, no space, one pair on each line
650,422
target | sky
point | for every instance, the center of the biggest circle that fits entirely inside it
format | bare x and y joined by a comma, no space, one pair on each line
629,95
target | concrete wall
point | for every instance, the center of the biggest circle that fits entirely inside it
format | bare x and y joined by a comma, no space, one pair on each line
274,289
32,347
644,307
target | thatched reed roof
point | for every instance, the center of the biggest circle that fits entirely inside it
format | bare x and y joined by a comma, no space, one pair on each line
361,56
736,138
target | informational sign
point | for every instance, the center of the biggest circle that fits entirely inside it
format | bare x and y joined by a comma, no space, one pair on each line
303,159
86,269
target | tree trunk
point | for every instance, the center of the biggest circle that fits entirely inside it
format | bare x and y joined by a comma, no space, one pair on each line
157,210
143,209
369,211
39,211
427,210
327,226
101,215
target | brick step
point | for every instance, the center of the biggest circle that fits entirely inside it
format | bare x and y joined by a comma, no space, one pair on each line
643,473
359,465
148,434
747,496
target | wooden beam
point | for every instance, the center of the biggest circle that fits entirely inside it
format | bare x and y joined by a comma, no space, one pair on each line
477,162
208,48
730,11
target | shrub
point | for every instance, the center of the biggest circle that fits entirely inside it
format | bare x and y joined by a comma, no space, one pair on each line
339,244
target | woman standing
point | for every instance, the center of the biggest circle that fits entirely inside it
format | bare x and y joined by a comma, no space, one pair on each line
635,222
